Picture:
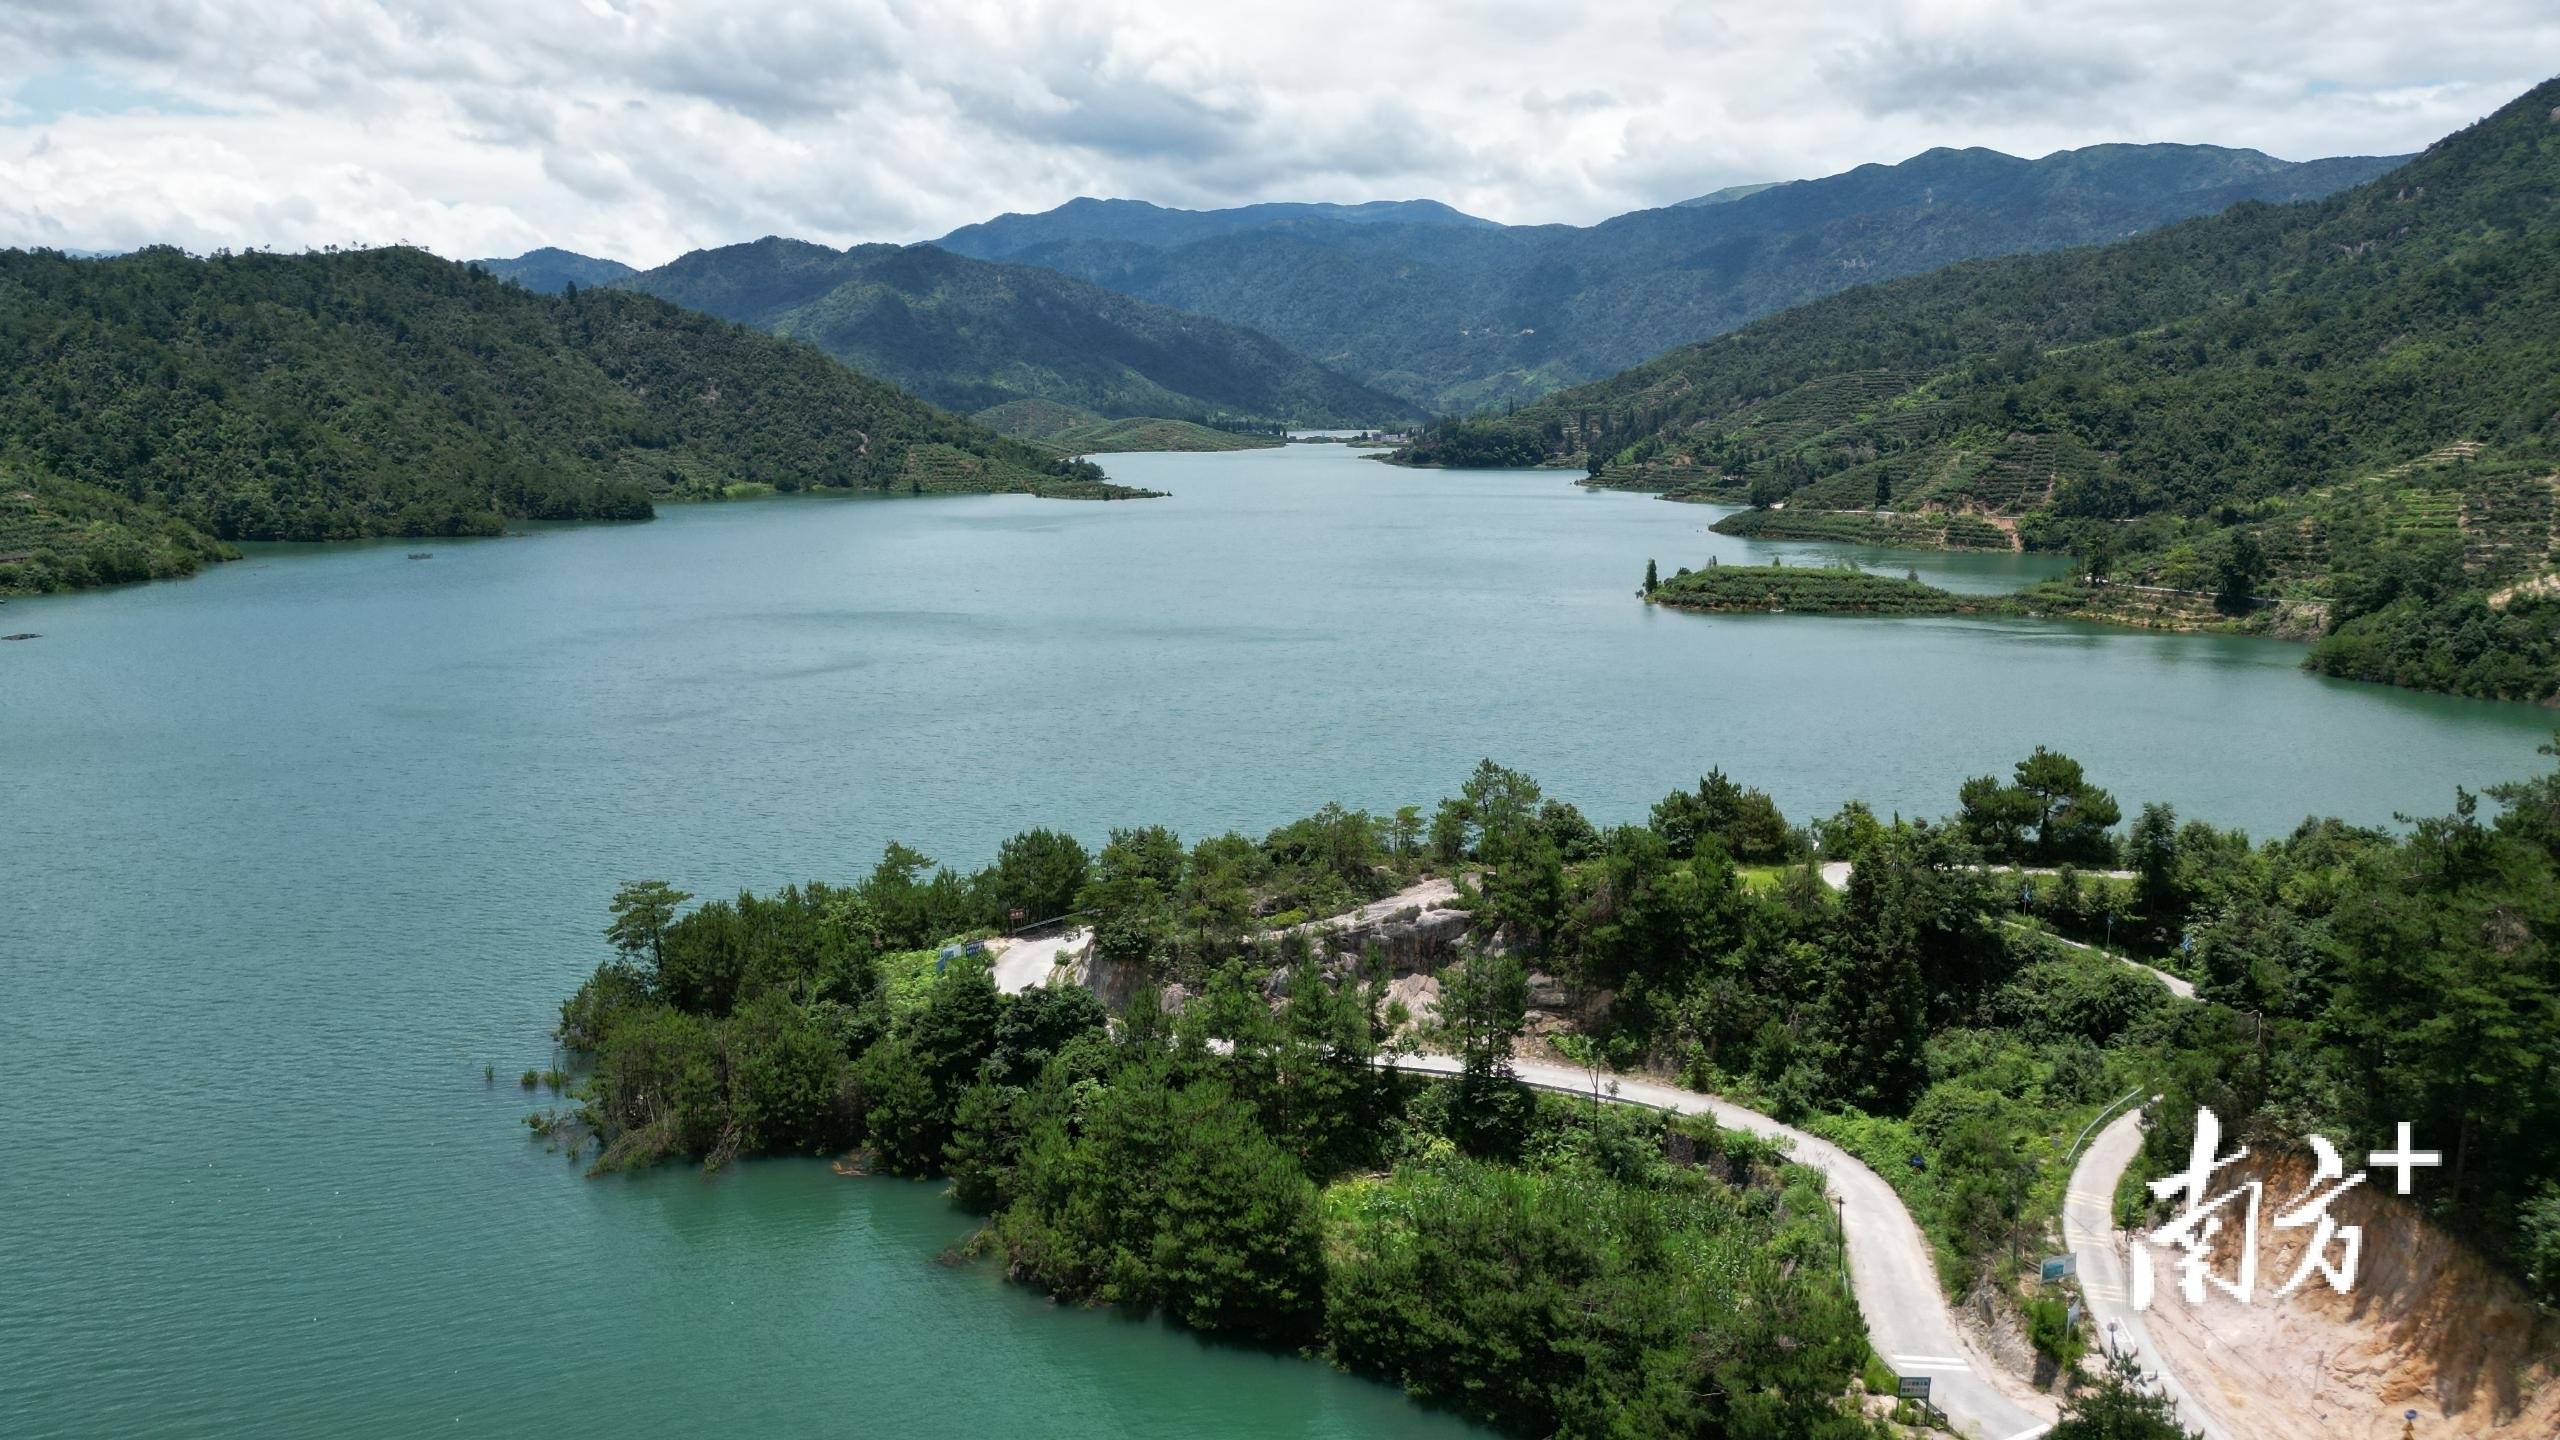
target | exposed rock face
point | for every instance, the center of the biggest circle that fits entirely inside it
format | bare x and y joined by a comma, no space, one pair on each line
1114,983
2428,1326
1419,938
1418,994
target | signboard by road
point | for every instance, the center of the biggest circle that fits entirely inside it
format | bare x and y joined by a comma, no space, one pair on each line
1913,1387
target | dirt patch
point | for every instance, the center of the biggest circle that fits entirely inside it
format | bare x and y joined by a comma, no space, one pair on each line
2428,1327
2538,585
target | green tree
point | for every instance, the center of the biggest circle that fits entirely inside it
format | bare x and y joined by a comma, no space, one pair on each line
1129,895
2119,1406
786,1081
642,911
1745,823
1484,1003
2072,815
902,1109
1217,896
1033,1026
1404,832
2158,890
2048,815
2236,578
657,1090
986,1143
1236,1248
1038,874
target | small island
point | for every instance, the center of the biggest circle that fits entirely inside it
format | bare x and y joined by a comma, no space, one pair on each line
1816,589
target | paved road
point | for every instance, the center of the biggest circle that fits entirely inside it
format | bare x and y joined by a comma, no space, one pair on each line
1890,1264
1890,1268
1023,964
1835,873
2089,1232
2180,988
2105,1259
1026,963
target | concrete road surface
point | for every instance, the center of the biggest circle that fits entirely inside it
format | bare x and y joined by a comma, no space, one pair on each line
1889,1262
1024,964
2105,1262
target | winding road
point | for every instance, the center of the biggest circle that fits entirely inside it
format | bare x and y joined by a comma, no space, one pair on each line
2089,1232
1891,1268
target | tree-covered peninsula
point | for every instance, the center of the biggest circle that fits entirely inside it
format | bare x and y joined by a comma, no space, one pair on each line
155,406
2347,404
1227,1149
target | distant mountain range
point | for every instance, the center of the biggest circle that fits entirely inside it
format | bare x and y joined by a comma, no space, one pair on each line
1360,314
1456,313
1136,222
2351,406
972,334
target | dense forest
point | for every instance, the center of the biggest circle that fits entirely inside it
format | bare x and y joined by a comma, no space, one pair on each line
2349,403
1225,1150
155,405
971,334
1458,314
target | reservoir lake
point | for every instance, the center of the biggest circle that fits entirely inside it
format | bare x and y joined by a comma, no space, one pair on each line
294,849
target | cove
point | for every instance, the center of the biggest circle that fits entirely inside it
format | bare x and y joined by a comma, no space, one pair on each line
296,848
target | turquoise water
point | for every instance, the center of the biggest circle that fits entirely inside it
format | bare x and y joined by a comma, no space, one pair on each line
294,849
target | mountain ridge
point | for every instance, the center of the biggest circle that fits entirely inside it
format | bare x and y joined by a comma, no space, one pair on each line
2351,405
973,334
1471,317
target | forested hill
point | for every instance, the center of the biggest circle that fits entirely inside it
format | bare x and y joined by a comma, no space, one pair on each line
552,270
973,335
154,405
1458,314
2351,402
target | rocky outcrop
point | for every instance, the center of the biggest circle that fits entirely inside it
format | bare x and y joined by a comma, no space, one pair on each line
1413,939
2428,1326
1114,983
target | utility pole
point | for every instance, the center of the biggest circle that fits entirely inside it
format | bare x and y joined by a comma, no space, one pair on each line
1840,1237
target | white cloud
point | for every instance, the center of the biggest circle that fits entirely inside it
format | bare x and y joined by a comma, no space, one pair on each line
640,128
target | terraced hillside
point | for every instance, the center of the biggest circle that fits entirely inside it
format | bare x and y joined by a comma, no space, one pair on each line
2353,401
1067,430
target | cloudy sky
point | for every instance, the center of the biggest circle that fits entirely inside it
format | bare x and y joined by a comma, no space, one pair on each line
643,128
